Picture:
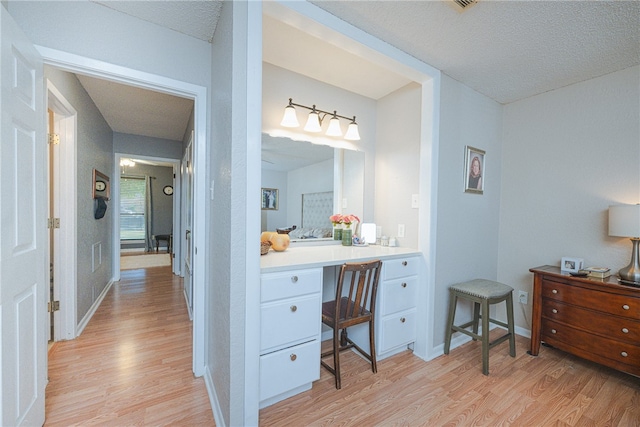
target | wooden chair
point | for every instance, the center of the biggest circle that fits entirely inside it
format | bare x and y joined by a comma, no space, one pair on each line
354,304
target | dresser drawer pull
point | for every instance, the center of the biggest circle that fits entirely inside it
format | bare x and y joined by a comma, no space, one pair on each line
624,354
293,357
293,308
555,291
625,331
294,279
554,311
404,263
402,320
404,285
553,331
625,307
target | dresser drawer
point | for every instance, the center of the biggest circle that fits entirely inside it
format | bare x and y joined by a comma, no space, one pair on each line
290,283
289,368
396,330
397,268
619,305
289,321
619,328
397,295
557,334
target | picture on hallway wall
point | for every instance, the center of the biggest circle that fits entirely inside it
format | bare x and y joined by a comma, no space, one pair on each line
474,170
270,199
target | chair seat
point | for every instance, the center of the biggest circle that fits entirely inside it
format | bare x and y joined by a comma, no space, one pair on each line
482,288
329,308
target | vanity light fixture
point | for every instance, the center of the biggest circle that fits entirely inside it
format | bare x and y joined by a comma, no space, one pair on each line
314,121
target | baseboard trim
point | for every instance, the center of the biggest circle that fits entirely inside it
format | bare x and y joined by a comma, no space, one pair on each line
213,398
92,310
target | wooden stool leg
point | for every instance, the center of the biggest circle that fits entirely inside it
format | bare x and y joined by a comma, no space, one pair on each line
453,298
510,324
476,317
372,347
485,337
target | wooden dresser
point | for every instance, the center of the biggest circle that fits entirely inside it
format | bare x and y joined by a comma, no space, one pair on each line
596,319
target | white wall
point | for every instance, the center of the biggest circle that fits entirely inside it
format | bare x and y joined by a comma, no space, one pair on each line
567,155
271,219
300,181
468,224
145,146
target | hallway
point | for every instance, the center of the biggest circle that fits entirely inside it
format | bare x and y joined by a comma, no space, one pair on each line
132,363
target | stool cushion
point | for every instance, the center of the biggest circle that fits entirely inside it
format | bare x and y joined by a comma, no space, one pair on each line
482,288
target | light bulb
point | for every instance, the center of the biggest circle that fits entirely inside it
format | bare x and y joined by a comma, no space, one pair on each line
290,119
334,126
313,122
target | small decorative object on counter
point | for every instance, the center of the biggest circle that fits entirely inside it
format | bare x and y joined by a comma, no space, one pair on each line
346,237
384,241
393,242
336,220
280,242
264,247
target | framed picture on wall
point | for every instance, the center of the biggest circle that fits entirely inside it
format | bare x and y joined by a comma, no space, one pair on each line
474,170
270,199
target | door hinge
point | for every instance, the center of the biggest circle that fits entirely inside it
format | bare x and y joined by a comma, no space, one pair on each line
53,223
53,306
54,139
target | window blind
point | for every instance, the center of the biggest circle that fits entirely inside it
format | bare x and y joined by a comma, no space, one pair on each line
132,208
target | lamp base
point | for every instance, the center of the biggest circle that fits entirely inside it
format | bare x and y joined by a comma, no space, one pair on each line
631,273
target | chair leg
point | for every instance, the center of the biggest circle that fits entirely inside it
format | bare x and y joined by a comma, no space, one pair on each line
510,325
336,358
485,337
372,347
453,298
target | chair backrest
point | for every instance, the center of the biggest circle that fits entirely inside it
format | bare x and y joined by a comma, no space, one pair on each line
356,291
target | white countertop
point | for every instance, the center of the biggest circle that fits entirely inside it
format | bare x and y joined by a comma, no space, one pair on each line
322,256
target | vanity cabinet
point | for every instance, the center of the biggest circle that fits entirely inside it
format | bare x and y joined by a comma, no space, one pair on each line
395,309
290,309
598,320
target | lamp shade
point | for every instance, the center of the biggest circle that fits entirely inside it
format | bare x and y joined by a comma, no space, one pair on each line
352,132
624,220
334,127
289,120
313,122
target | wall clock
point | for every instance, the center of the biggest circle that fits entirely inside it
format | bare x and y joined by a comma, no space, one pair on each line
100,186
168,190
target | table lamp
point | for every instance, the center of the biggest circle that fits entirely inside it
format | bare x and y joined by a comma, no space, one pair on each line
624,221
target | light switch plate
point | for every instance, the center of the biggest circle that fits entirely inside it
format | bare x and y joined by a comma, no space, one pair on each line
415,201
400,230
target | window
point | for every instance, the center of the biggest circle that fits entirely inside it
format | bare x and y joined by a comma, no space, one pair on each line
132,208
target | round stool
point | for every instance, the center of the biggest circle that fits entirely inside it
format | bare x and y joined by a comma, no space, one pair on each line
482,293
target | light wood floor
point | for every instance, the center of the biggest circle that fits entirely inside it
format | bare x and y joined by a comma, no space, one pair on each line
132,363
553,389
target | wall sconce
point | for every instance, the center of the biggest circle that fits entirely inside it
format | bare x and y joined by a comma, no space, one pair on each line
624,221
314,121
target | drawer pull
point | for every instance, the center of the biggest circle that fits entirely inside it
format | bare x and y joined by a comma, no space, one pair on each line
402,320
404,285
555,291
625,307
624,354
554,311
293,308
294,279
625,331
404,263
293,357
553,331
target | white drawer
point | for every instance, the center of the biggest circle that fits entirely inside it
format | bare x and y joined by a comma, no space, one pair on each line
289,368
401,267
290,283
290,321
396,330
397,295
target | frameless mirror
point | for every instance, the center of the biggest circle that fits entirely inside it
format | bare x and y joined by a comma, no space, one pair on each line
313,182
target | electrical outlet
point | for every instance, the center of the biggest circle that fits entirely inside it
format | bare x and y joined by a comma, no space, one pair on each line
400,230
523,297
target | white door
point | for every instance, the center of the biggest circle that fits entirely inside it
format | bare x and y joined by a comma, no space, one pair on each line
23,231
187,209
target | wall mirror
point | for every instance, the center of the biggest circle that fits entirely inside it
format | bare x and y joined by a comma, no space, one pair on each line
314,181
101,185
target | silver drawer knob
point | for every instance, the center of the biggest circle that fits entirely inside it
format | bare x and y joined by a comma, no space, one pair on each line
404,285
293,308
554,311
625,307
624,354
553,331
625,331
293,357
402,320
294,279
555,291
404,263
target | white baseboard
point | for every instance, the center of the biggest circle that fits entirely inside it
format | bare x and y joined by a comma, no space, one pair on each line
85,320
213,398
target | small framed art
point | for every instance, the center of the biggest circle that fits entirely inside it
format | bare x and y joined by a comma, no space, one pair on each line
474,170
270,199
571,265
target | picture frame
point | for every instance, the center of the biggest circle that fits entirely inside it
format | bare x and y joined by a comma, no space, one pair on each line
571,264
474,170
269,199
101,186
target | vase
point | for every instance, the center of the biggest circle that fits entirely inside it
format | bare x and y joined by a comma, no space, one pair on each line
346,237
337,233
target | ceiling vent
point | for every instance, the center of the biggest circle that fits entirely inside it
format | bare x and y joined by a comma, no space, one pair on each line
464,4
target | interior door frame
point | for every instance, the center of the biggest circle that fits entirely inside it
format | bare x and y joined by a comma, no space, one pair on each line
107,71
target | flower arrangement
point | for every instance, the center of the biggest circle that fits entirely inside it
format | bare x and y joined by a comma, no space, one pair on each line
347,220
